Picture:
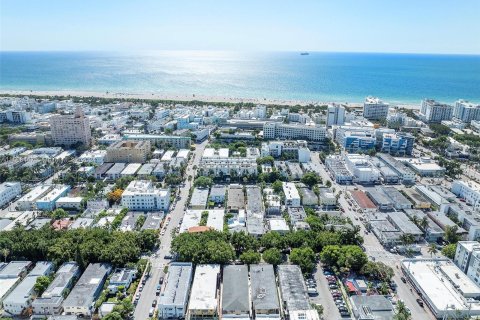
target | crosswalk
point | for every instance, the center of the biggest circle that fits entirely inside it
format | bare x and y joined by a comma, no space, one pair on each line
380,254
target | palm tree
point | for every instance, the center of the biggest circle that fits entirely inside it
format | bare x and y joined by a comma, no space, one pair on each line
5,253
415,220
402,313
407,239
424,223
432,249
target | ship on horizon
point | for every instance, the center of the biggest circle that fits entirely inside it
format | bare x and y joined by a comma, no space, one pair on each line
304,53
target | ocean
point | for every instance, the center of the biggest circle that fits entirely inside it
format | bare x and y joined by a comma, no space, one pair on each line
341,77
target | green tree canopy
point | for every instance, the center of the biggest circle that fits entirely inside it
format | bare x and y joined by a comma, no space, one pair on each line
311,179
250,257
272,256
304,257
203,182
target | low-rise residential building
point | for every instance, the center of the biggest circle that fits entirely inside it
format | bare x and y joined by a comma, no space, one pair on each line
263,290
217,193
366,307
220,164
8,191
199,198
29,200
81,299
204,294
172,303
142,195
178,142
235,292
22,296
115,171
48,201
121,277
292,197
293,290
50,303
153,221
69,203
93,156
236,198
470,191
131,169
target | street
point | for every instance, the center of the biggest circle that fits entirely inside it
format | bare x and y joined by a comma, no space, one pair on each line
157,259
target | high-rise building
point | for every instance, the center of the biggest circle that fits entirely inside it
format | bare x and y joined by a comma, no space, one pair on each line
68,130
375,109
434,111
335,115
466,111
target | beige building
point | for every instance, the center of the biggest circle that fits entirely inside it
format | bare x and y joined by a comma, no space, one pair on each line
127,151
68,130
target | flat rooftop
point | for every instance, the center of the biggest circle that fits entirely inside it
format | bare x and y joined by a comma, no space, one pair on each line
362,200
177,284
203,295
235,296
263,287
292,288
443,283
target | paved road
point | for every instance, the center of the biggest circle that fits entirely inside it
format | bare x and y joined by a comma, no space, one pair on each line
158,260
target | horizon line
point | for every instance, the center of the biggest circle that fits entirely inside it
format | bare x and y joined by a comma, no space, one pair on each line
237,51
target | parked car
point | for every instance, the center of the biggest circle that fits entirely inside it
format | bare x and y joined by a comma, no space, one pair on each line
160,281
150,313
154,303
403,279
420,302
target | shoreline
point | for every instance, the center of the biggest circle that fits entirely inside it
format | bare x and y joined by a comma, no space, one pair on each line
187,97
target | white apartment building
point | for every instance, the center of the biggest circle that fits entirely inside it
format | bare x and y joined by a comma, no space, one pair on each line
361,168
8,191
68,130
93,156
220,163
203,297
309,132
466,111
292,197
15,116
22,296
141,195
375,109
470,191
335,115
434,111
172,303
467,258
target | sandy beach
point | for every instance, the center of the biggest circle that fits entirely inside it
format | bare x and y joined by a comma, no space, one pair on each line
187,97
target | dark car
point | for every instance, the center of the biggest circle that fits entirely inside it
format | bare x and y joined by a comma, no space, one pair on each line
420,302
403,279
160,281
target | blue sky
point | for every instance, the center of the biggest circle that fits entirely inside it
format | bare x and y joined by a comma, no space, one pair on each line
420,26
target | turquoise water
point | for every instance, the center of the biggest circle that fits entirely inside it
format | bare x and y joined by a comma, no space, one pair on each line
284,75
